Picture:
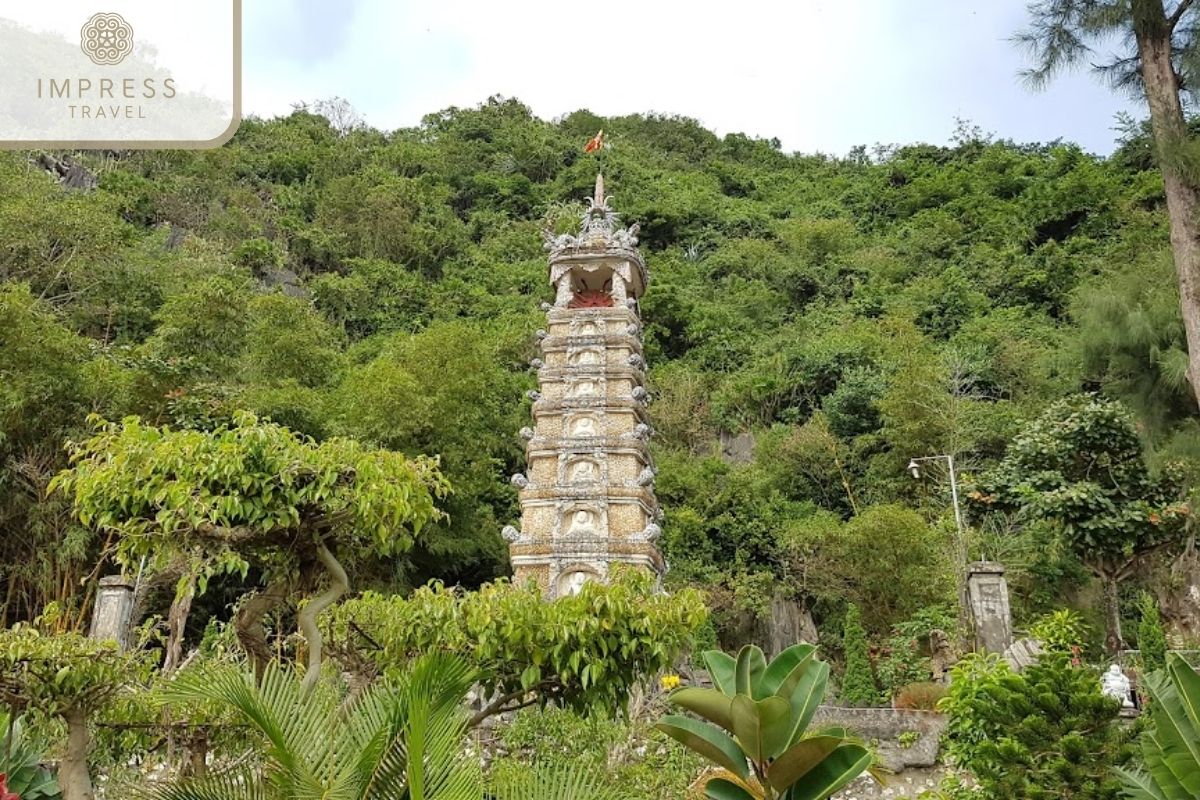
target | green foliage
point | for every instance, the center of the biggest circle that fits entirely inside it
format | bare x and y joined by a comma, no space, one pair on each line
1170,760
1062,631
858,679
906,657
403,738
1151,639
1045,732
756,727
636,761
586,651
21,762
242,488
1081,465
60,673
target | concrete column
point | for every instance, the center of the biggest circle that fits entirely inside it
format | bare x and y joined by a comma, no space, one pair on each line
114,604
991,616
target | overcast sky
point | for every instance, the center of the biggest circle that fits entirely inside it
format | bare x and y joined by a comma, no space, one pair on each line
821,75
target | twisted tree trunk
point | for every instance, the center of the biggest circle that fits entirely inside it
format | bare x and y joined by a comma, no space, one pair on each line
248,623
306,620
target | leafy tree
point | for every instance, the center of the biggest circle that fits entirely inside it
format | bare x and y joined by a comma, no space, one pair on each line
68,676
1151,640
759,715
1081,465
252,492
1160,67
21,762
586,651
858,679
1047,731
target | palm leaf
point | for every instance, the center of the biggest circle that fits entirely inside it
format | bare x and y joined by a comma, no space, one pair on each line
562,783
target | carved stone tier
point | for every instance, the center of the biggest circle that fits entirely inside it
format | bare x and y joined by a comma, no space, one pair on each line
587,496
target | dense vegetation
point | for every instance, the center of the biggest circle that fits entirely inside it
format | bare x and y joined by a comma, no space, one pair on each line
847,313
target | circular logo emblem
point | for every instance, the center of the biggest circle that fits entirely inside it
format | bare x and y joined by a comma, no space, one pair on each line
106,38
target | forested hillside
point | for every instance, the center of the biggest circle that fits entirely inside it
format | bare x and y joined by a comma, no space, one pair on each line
847,314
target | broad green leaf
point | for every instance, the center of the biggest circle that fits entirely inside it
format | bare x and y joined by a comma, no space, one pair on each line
1137,785
715,745
799,759
761,726
724,789
722,668
751,664
785,669
710,704
837,769
806,697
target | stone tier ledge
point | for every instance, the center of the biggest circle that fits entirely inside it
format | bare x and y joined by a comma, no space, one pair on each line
554,343
606,313
548,406
599,491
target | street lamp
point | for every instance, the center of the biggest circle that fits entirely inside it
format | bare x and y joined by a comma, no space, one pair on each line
914,467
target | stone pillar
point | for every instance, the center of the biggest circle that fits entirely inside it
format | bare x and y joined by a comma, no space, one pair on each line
991,616
114,604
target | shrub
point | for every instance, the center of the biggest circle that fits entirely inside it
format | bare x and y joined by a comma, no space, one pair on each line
858,682
1046,732
1151,640
922,696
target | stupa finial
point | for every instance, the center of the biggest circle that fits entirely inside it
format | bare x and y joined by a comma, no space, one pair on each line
598,196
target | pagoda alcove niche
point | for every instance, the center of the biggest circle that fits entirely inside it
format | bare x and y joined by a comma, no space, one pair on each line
587,496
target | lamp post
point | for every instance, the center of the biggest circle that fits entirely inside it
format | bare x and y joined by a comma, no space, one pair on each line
914,466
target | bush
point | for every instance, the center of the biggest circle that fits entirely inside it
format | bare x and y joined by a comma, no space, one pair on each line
1046,732
922,696
858,682
1151,640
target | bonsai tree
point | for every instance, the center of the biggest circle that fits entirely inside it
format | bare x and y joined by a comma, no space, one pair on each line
1171,746
1081,465
759,715
251,492
67,676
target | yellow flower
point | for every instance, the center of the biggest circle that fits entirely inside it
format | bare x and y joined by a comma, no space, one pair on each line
669,682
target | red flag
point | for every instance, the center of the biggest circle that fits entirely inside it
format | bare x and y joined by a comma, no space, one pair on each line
595,143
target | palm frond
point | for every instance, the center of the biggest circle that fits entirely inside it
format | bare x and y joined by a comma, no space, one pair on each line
561,783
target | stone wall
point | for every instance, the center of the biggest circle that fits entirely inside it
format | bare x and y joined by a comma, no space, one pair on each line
902,738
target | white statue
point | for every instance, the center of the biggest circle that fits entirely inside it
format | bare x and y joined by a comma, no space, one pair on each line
583,471
572,582
585,389
584,426
587,328
1114,684
583,523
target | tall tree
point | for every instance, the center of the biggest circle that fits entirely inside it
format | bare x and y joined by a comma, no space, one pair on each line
1081,466
1163,62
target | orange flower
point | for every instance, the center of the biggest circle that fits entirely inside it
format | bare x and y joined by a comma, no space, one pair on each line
595,143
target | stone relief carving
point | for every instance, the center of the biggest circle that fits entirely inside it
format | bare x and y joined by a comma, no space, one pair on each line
537,363
583,523
510,533
519,480
534,395
583,471
640,393
636,361
584,426
571,583
526,433
584,388
585,358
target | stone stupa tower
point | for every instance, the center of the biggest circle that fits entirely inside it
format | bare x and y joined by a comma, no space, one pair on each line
587,500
